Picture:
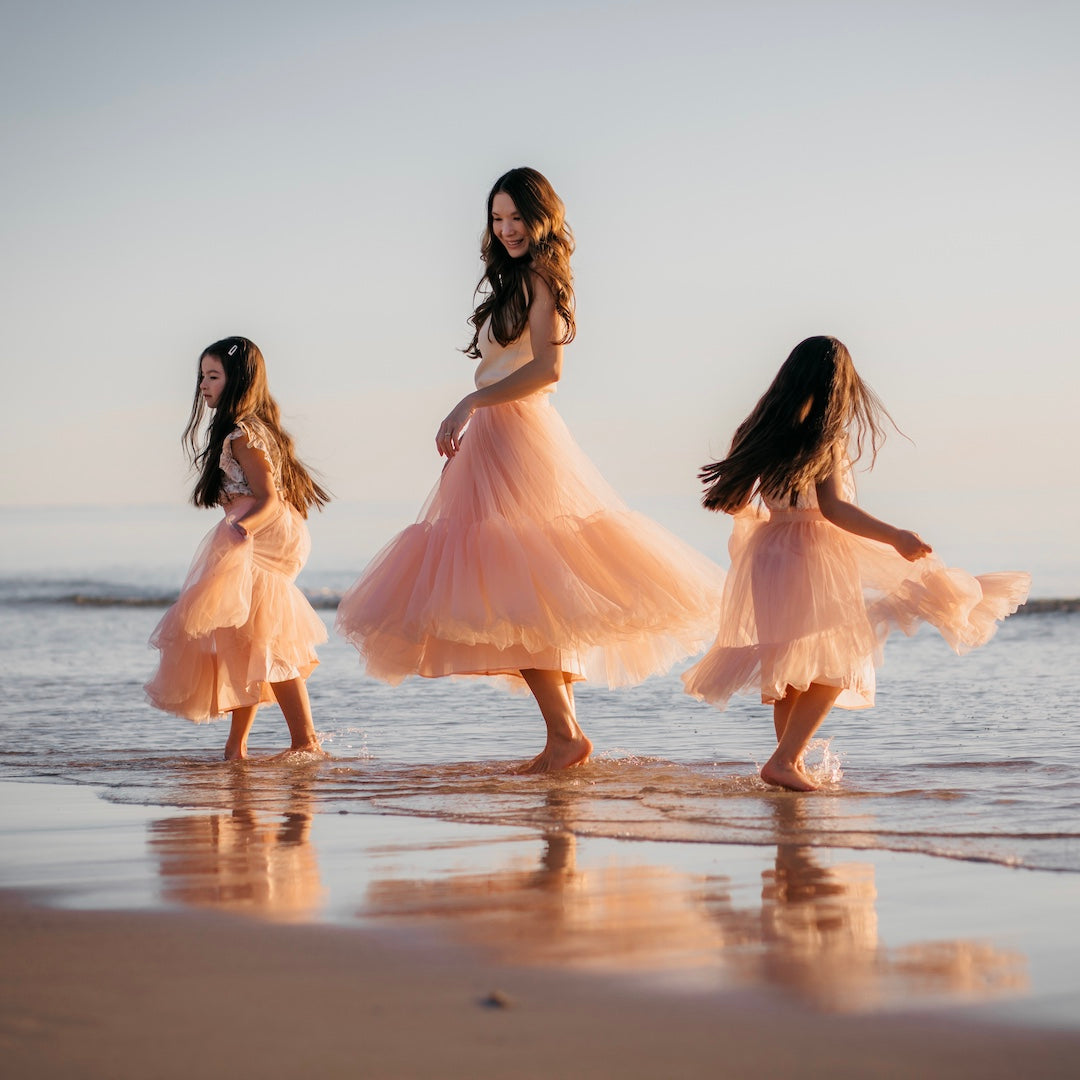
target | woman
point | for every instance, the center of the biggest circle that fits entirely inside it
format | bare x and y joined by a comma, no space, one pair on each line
524,562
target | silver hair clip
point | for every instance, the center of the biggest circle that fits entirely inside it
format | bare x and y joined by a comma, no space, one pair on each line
233,349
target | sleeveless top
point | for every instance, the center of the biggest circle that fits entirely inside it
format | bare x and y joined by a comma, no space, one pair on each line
497,361
807,500
255,434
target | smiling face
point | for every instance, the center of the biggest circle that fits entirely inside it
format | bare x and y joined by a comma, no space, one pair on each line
508,226
211,380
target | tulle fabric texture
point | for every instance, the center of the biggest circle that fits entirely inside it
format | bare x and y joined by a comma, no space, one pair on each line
807,602
524,557
240,623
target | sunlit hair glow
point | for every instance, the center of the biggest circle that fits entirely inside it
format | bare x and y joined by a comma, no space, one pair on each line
506,288
816,407
246,395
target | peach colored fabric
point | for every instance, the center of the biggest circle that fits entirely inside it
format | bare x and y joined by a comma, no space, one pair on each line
524,557
240,623
807,602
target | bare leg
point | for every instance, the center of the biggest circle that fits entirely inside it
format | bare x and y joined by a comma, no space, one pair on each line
566,743
781,713
292,696
809,710
239,729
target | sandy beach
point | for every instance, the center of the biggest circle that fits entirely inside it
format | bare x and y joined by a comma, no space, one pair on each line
265,945
106,994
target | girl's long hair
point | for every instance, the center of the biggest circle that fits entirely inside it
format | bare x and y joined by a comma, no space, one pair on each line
246,395
506,290
816,404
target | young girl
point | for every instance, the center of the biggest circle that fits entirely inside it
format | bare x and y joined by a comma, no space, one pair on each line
241,633
524,562
816,584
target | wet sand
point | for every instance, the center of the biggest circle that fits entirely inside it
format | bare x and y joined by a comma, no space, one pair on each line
117,995
279,944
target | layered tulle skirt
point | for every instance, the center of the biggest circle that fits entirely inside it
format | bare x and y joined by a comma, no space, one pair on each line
806,602
524,557
240,623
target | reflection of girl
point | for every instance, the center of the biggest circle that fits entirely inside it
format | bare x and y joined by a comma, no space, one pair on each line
817,584
524,562
241,634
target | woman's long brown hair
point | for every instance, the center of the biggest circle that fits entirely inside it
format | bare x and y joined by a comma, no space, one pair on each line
246,395
813,407
506,287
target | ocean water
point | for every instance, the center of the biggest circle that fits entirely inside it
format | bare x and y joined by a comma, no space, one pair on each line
974,758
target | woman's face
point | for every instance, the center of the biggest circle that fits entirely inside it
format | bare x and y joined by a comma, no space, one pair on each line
211,380
508,226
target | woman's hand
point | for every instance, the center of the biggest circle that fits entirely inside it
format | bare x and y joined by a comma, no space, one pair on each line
448,439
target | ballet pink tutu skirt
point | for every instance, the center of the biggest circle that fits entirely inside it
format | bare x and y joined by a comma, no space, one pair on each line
807,602
524,557
240,623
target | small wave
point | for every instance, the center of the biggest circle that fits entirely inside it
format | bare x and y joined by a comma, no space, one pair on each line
93,594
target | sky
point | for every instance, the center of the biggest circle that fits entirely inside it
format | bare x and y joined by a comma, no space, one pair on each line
738,176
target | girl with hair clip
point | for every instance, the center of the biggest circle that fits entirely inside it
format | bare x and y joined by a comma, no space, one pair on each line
241,634
524,563
816,584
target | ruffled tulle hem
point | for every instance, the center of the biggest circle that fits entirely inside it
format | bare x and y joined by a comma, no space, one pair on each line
239,624
808,603
524,558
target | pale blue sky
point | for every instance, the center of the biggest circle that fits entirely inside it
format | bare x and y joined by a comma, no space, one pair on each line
738,176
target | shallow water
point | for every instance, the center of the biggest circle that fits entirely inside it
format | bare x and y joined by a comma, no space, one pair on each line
973,758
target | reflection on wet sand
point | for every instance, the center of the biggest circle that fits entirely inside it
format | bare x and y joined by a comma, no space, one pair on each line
814,935
245,860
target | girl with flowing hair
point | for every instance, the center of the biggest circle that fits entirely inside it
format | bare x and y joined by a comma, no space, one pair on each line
524,563
241,634
817,584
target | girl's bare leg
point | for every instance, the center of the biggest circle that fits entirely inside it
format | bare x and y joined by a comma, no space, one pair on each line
781,713
805,717
292,696
566,743
239,728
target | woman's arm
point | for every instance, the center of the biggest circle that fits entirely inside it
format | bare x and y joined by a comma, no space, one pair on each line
260,479
542,370
849,517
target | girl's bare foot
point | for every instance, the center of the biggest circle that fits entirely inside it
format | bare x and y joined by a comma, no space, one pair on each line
559,754
780,774
235,751
311,748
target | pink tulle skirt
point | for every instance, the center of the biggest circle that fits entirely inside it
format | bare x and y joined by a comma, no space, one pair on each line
524,557
240,623
807,602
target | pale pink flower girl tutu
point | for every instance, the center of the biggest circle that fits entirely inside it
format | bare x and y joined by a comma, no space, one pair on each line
240,623
807,602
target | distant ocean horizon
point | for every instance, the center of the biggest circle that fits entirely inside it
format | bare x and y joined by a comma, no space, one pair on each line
152,544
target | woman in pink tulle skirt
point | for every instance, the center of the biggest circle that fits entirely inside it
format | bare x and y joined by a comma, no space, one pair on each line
241,634
524,563
817,584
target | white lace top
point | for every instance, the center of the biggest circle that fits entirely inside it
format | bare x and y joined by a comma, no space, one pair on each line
254,433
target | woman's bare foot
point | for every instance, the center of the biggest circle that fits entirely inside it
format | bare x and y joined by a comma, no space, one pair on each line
780,774
558,754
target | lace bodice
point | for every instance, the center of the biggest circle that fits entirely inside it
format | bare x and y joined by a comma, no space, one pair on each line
254,433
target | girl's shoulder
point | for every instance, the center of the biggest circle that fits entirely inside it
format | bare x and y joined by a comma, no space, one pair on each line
256,435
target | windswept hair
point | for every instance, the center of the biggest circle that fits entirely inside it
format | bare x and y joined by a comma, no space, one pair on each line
246,395
816,405
506,288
